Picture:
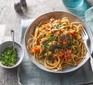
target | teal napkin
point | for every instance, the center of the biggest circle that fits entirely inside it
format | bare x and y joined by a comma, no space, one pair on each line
29,74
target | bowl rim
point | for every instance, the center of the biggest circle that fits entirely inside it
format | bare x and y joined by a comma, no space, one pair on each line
19,61
28,53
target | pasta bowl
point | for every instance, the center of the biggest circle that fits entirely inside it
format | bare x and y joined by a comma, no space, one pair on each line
32,28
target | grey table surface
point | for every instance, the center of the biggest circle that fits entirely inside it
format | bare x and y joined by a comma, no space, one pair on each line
12,20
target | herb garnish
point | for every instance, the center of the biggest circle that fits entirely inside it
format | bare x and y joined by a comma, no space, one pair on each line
9,56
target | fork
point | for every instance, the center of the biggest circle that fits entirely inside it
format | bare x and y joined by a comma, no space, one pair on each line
85,38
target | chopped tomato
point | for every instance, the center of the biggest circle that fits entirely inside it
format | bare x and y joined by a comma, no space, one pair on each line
67,58
48,26
68,51
39,40
60,53
59,21
62,30
64,42
36,49
72,32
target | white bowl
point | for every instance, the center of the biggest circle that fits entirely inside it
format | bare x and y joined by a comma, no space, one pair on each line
47,16
19,50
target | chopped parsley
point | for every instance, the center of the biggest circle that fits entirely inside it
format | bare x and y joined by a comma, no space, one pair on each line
9,56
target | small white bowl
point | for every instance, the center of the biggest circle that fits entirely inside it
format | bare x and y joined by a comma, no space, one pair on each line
19,50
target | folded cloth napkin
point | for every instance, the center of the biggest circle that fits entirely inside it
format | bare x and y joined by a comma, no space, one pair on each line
29,74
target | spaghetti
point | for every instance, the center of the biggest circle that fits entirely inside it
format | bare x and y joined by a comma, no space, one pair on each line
57,43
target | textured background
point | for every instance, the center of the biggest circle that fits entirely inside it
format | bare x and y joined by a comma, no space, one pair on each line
12,20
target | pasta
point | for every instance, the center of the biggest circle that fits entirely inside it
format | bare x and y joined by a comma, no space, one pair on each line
57,43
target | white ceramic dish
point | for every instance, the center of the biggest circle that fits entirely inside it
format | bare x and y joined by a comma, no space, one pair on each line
19,50
47,16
